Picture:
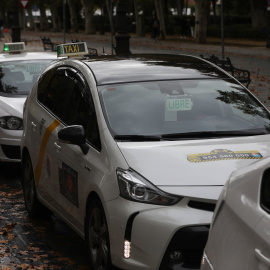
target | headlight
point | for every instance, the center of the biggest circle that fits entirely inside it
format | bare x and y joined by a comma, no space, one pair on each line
134,187
11,122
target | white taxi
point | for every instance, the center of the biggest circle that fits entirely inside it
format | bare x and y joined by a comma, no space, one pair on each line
19,71
132,152
240,233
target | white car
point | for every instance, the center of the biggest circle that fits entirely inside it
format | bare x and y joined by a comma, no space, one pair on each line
132,152
240,233
19,71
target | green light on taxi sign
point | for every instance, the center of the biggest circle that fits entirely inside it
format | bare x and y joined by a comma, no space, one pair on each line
14,47
72,49
6,48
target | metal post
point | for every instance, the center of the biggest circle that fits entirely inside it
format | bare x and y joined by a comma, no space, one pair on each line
268,25
24,24
64,19
222,28
122,39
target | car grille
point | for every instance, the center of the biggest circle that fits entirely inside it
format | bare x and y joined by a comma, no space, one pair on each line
11,151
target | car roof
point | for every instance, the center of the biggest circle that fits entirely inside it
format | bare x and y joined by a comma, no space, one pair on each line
27,56
151,67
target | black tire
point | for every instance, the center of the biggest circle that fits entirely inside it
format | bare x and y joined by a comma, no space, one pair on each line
97,237
33,206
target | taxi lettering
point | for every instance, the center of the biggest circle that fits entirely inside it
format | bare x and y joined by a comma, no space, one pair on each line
71,48
179,104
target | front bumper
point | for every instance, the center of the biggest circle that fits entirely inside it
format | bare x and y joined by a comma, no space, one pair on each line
156,233
10,141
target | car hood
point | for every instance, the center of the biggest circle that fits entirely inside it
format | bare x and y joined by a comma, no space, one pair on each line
12,105
193,163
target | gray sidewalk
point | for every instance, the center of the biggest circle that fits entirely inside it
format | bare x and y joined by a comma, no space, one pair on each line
244,54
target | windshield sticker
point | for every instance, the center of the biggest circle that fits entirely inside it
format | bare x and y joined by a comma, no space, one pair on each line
34,68
184,104
224,154
68,181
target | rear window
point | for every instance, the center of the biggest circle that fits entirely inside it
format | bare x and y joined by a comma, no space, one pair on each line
18,77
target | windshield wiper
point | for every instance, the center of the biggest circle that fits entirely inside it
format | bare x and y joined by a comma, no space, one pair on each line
137,138
211,134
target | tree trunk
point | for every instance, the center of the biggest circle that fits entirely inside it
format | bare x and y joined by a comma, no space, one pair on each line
202,8
43,18
73,15
108,5
88,8
160,15
56,21
259,14
30,18
180,5
138,19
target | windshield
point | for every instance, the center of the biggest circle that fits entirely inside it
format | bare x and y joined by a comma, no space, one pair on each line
197,107
18,77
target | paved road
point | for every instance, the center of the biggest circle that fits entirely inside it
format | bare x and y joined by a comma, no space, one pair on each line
41,244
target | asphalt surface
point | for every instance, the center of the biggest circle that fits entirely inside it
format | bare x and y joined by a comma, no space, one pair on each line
26,244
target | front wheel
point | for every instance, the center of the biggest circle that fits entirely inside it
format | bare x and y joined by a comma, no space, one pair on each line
97,237
33,206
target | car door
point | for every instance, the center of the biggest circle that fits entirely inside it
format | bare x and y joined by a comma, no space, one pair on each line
53,101
74,168
262,230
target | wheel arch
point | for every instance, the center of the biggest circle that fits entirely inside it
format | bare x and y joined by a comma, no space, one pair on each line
92,196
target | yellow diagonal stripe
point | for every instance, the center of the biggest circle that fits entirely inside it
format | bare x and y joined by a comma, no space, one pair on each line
43,145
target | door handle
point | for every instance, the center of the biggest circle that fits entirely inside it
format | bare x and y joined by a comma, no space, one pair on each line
261,257
57,146
33,124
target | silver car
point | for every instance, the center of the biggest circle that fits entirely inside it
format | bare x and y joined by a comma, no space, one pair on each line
19,71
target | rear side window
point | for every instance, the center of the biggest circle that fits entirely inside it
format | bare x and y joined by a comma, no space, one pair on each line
57,95
265,191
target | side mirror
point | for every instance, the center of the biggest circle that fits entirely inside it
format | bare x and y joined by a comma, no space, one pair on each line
74,135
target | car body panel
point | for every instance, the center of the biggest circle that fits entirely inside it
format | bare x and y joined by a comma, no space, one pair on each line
174,157
240,228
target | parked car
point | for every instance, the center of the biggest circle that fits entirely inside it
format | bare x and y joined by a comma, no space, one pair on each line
240,233
19,71
132,152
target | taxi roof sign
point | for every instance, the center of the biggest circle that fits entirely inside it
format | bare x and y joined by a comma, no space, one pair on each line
72,49
14,47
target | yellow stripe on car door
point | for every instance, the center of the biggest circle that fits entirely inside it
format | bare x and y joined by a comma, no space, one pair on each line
44,142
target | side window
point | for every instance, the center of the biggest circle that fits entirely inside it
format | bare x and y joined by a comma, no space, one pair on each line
265,191
57,94
82,112
44,80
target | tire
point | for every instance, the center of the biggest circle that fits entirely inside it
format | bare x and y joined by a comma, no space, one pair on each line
33,206
97,237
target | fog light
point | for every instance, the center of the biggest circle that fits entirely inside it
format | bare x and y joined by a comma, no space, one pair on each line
175,256
127,247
